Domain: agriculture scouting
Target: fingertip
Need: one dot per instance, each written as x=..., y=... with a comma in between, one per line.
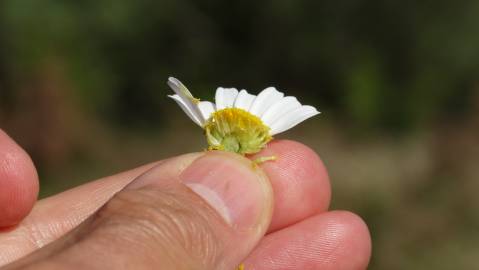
x=354, y=238
x=300, y=182
x=18, y=182
x=331, y=241
x=302, y=166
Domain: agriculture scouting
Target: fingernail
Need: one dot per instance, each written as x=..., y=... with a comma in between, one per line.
x=230, y=184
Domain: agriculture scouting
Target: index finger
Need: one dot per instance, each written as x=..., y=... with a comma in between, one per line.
x=300, y=182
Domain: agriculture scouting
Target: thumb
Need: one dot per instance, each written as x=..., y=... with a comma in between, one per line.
x=198, y=211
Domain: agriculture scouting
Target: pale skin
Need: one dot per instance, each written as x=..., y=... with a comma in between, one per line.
x=158, y=223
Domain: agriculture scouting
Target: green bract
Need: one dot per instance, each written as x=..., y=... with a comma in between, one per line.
x=236, y=130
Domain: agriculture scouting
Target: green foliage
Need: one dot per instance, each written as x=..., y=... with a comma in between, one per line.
x=376, y=63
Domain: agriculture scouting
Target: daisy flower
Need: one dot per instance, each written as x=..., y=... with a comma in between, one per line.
x=241, y=122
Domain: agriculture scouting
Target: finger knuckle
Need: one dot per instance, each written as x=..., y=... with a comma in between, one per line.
x=162, y=220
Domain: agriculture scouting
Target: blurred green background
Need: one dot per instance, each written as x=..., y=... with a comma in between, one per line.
x=82, y=88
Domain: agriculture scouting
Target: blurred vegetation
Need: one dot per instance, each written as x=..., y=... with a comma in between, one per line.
x=82, y=88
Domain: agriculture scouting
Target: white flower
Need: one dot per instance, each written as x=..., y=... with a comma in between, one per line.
x=238, y=121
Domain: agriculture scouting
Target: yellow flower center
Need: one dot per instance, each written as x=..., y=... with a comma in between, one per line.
x=236, y=130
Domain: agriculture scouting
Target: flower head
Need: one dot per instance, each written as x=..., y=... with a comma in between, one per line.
x=238, y=121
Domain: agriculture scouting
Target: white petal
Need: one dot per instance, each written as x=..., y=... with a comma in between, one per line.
x=206, y=108
x=186, y=109
x=264, y=100
x=225, y=97
x=280, y=109
x=244, y=100
x=187, y=98
x=292, y=119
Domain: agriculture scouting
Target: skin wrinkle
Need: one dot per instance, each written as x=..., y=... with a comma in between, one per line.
x=333, y=240
x=33, y=236
x=115, y=231
x=40, y=234
x=334, y=243
x=321, y=248
x=9, y=164
x=36, y=236
x=27, y=235
x=328, y=245
x=129, y=237
x=9, y=252
x=295, y=160
x=185, y=234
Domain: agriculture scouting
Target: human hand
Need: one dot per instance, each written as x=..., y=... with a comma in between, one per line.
x=158, y=217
